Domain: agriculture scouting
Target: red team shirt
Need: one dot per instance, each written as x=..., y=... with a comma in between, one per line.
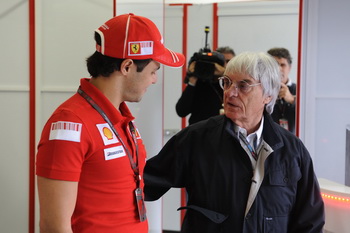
x=78, y=145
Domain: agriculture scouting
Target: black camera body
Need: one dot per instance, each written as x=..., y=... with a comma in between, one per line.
x=205, y=61
x=205, y=65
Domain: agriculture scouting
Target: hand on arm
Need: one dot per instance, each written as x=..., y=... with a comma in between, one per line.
x=192, y=81
x=57, y=200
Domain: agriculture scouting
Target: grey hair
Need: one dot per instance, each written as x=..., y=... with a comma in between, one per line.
x=263, y=68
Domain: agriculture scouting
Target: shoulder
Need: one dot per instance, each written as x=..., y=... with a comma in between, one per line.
x=208, y=124
x=75, y=106
x=208, y=127
x=278, y=137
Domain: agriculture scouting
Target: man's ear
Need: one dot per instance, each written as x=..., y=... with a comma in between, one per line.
x=267, y=99
x=125, y=66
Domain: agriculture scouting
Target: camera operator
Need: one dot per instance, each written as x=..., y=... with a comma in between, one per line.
x=284, y=110
x=202, y=97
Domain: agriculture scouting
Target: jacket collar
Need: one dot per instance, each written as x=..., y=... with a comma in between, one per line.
x=270, y=134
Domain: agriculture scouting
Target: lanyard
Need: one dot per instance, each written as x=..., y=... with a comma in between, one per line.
x=250, y=148
x=134, y=165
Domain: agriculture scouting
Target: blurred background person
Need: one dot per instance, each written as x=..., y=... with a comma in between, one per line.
x=284, y=111
x=202, y=97
x=227, y=52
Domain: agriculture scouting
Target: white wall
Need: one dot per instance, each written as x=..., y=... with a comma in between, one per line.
x=14, y=128
x=326, y=82
x=259, y=26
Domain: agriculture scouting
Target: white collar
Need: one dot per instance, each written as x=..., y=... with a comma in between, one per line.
x=249, y=137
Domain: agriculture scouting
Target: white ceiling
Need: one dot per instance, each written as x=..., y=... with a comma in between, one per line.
x=187, y=1
x=207, y=1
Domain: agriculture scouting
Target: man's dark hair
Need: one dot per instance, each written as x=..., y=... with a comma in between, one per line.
x=226, y=49
x=281, y=53
x=99, y=64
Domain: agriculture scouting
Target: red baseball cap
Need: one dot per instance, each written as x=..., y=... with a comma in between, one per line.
x=135, y=37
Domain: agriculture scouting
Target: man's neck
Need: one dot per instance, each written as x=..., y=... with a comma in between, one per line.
x=109, y=87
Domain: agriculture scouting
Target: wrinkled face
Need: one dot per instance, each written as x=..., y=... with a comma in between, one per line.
x=285, y=68
x=244, y=108
x=138, y=82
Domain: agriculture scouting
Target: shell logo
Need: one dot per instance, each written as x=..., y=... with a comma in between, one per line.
x=107, y=133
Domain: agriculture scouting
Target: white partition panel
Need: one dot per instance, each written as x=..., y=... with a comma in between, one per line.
x=14, y=124
x=325, y=111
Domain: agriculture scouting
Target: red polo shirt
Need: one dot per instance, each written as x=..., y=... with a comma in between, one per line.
x=78, y=145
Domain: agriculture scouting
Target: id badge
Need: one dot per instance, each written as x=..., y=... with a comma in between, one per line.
x=284, y=123
x=140, y=204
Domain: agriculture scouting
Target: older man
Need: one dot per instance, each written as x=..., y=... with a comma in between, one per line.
x=242, y=171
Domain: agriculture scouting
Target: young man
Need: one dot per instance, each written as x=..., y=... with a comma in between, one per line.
x=284, y=111
x=242, y=172
x=91, y=156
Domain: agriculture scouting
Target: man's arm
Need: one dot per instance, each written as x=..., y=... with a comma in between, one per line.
x=308, y=214
x=57, y=200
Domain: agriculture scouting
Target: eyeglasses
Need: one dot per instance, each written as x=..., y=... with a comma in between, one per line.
x=242, y=86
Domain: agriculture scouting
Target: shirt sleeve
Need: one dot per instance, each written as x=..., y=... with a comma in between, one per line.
x=62, y=147
x=167, y=169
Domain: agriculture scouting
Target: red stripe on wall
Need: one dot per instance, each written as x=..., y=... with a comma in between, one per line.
x=114, y=8
x=32, y=143
x=184, y=51
x=297, y=131
x=184, y=70
x=215, y=26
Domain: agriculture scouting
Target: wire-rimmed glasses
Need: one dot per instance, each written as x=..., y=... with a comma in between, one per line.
x=242, y=86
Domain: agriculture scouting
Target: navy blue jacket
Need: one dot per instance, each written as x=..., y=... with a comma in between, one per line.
x=225, y=194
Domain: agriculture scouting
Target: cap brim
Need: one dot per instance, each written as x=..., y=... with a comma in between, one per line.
x=170, y=58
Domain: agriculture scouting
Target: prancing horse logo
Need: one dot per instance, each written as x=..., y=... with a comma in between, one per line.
x=135, y=48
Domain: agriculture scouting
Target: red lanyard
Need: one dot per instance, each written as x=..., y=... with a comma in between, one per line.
x=134, y=165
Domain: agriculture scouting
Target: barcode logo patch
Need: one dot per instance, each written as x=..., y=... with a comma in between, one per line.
x=65, y=130
x=140, y=48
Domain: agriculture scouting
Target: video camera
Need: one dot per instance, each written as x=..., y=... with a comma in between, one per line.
x=205, y=60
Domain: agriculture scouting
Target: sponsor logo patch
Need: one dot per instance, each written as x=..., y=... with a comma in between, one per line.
x=107, y=134
x=139, y=48
x=114, y=152
x=137, y=133
x=65, y=130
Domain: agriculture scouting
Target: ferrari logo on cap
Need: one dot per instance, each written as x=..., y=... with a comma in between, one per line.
x=139, y=48
x=135, y=48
